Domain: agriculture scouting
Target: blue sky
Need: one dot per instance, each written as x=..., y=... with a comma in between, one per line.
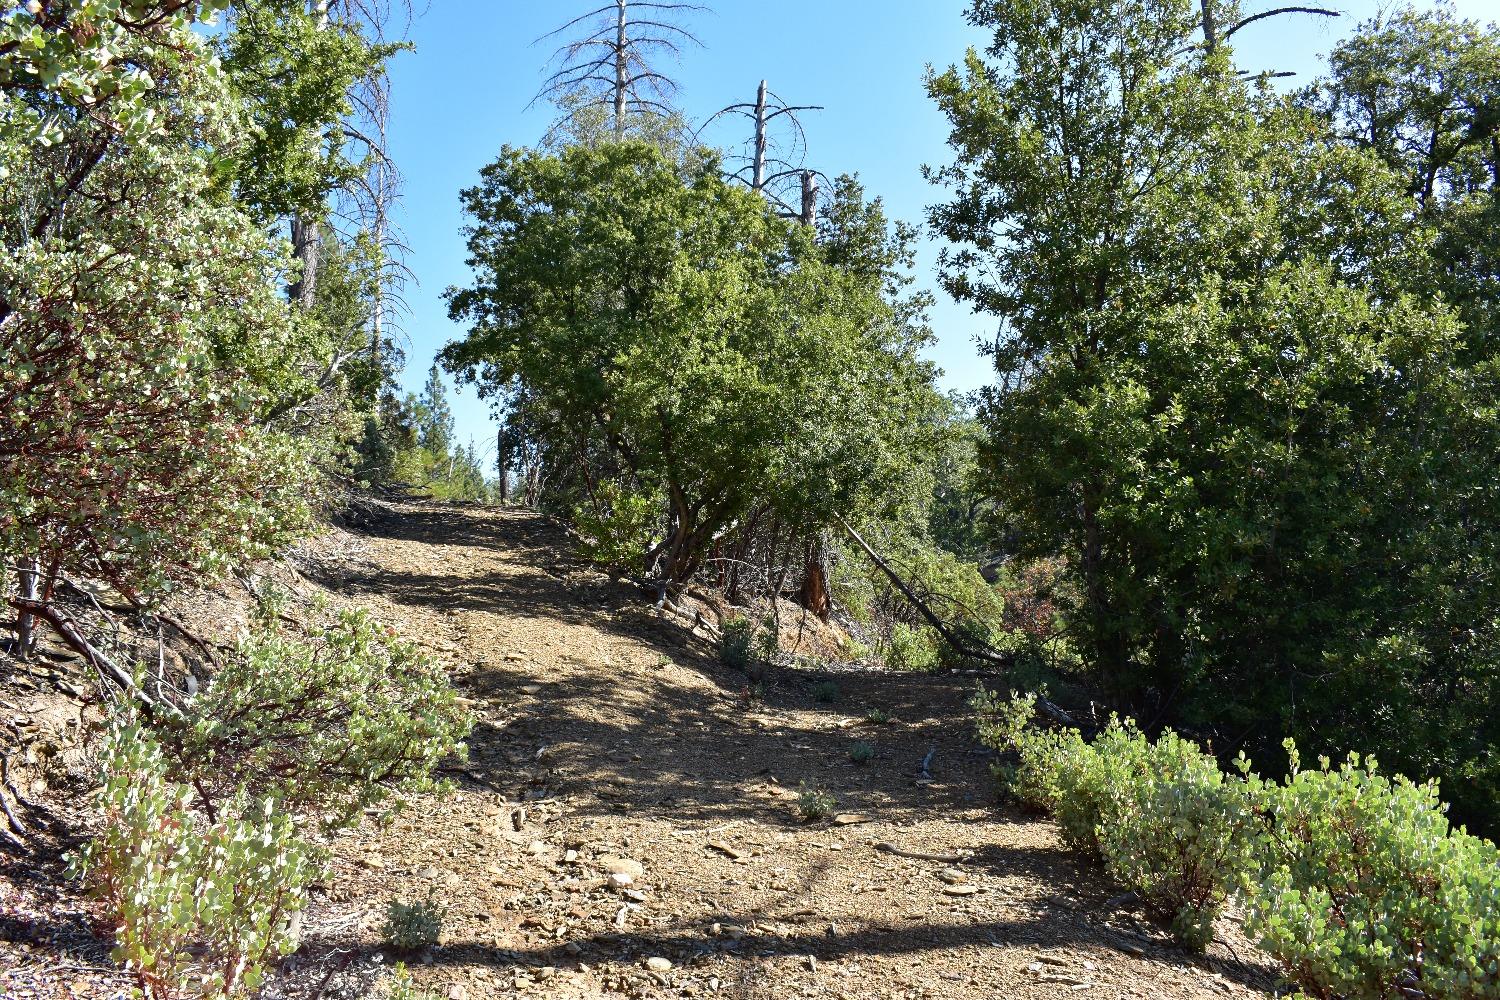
x=464, y=93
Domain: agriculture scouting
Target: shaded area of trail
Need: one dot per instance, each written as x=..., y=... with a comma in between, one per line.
x=610, y=740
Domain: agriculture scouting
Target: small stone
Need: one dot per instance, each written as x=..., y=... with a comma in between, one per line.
x=546, y=972
x=570, y=855
x=960, y=890
x=538, y=847
x=634, y=895
x=619, y=880
x=458, y=991
x=849, y=819
x=428, y=873
x=952, y=876
x=658, y=964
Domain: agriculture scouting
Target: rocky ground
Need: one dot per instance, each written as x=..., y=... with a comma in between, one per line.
x=629, y=821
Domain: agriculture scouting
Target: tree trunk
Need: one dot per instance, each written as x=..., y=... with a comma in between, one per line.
x=307, y=244
x=502, y=463
x=809, y=198
x=1210, y=27
x=622, y=68
x=307, y=233
x=814, y=595
x=759, y=181
x=27, y=577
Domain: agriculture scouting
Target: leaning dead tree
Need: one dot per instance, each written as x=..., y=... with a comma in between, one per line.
x=774, y=159
x=613, y=60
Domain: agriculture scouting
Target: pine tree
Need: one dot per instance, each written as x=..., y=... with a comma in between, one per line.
x=436, y=429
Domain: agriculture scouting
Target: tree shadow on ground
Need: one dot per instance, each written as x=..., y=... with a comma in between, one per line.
x=692, y=748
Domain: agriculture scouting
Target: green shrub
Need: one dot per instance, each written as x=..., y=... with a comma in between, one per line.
x=402, y=987
x=618, y=526
x=862, y=752
x=1164, y=819
x=413, y=926
x=1365, y=892
x=199, y=907
x=878, y=716
x=814, y=803
x=737, y=644
x=825, y=692
x=1181, y=835
x=330, y=725
x=910, y=648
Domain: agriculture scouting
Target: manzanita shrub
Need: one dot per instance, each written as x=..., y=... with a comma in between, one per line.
x=1365, y=892
x=199, y=907
x=1354, y=881
x=331, y=724
x=1180, y=834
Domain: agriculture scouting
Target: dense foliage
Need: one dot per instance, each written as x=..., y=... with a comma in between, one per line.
x=200, y=908
x=1248, y=378
x=1354, y=882
x=667, y=333
x=331, y=725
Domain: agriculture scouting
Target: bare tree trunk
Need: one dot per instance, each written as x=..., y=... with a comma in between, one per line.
x=1210, y=28
x=27, y=577
x=815, y=595
x=382, y=209
x=759, y=181
x=502, y=462
x=622, y=69
x=809, y=198
x=307, y=233
x=307, y=244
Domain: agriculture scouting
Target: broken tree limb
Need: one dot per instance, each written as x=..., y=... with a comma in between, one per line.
x=885, y=847
x=1048, y=708
x=68, y=632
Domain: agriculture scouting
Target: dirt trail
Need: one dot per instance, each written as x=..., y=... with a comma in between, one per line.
x=610, y=740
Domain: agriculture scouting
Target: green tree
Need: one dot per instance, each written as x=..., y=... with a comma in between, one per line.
x=1422, y=91
x=678, y=338
x=436, y=430
x=1229, y=394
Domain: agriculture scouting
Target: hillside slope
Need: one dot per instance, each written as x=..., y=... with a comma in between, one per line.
x=612, y=742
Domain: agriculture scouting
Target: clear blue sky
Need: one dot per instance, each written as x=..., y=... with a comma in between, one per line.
x=464, y=93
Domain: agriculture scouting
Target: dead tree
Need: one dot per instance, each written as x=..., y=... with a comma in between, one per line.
x=1213, y=35
x=613, y=62
x=773, y=164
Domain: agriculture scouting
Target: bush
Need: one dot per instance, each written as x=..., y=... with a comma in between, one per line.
x=814, y=803
x=199, y=907
x=413, y=926
x=1167, y=823
x=825, y=692
x=1365, y=892
x=910, y=648
x=878, y=717
x=1181, y=836
x=862, y=752
x=402, y=988
x=737, y=644
x=331, y=725
x=618, y=526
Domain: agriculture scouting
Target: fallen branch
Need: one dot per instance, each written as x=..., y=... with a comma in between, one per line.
x=885, y=847
x=68, y=632
x=1049, y=708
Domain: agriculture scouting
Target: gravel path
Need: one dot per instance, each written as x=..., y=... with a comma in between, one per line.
x=628, y=825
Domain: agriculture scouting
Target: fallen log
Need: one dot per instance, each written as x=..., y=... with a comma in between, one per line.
x=1048, y=707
